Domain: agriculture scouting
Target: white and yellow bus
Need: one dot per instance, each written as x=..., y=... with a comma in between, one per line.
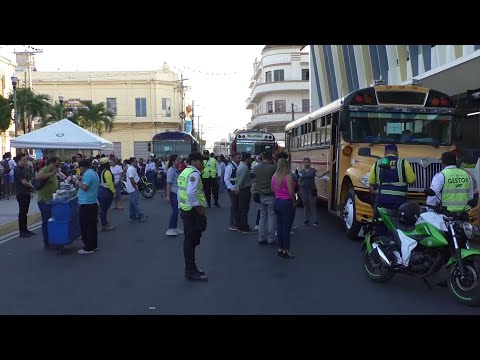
x=344, y=139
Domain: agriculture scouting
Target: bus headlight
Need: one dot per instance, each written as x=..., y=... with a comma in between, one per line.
x=468, y=229
x=364, y=179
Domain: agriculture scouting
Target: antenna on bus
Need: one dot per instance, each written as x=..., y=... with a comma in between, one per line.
x=416, y=82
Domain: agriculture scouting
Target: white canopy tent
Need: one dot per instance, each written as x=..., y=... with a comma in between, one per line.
x=63, y=134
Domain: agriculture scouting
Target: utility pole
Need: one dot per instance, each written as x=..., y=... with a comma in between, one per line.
x=198, y=124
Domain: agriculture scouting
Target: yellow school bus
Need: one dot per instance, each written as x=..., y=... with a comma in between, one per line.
x=346, y=137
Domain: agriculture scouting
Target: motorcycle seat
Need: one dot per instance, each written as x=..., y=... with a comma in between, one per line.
x=402, y=225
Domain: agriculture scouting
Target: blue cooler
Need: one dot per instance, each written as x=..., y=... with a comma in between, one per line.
x=62, y=211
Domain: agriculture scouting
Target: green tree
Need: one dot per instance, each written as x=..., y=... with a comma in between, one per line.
x=5, y=114
x=30, y=106
x=54, y=114
x=95, y=117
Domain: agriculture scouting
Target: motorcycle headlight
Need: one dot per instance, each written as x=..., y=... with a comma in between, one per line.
x=468, y=229
x=364, y=179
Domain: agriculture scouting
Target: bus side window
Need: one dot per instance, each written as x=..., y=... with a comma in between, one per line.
x=314, y=132
x=328, y=130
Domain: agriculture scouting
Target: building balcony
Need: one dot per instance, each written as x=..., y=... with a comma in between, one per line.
x=276, y=86
x=269, y=119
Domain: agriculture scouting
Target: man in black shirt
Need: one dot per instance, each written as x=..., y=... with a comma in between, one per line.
x=23, y=189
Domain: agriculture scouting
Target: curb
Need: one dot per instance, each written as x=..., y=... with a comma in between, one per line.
x=12, y=226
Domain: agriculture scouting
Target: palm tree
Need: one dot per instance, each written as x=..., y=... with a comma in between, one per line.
x=95, y=117
x=29, y=106
x=54, y=114
x=5, y=114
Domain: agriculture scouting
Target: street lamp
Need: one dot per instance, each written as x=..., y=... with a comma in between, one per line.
x=15, y=116
x=60, y=100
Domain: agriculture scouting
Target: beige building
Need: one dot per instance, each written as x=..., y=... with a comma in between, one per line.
x=144, y=102
x=7, y=69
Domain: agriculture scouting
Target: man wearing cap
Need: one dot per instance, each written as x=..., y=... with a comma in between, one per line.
x=452, y=185
x=395, y=180
x=192, y=203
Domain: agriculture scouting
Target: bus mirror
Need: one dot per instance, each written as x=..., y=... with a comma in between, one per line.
x=364, y=152
x=458, y=133
x=344, y=120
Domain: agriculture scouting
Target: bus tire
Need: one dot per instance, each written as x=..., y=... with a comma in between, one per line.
x=352, y=226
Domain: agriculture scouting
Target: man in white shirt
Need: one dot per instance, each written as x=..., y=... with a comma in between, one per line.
x=230, y=180
x=133, y=192
x=452, y=196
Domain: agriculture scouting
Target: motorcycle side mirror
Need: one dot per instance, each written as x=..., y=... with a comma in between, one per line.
x=472, y=203
x=429, y=192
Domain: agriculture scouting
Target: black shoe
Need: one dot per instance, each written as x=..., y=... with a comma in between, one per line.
x=209, y=205
x=31, y=232
x=306, y=223
x=25, y=235
x=195, y=276
x=281, y=253
x=217, y=204
x=201, y=272
x=288, y=255
x=272, y=243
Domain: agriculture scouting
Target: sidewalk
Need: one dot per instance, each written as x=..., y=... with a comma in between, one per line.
x=9, y=214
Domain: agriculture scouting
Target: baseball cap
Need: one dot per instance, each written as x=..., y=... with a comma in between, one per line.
x=104, y=160
x=391, y=147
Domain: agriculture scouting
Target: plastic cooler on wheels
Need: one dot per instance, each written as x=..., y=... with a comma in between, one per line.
x=64, y=225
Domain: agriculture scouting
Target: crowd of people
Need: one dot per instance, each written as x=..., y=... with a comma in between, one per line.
x=190, y=185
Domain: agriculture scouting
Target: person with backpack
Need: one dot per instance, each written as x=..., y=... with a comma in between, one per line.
x=23, y=190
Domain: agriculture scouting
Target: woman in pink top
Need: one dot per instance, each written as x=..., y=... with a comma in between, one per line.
x=284, y=187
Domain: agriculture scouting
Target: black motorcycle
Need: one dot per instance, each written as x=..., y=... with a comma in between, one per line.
x=146, y=188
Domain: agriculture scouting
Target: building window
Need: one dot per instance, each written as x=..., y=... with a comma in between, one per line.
x=280, y=106
x=141, y=107
x=112, y=105
x=306, y=105
x=268, y=76
x=305, y=74
x=269, y=107
x=166, y=109
x=278, y=75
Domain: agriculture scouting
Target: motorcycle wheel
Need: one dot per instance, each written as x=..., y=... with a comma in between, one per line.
x=466, y=290
x=148, y=192
x=375, y=269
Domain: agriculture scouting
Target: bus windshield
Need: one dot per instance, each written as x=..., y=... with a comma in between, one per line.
x=254, y=148
x=401, y=128
x=170, y=147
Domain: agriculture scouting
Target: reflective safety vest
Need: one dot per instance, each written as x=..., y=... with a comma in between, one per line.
x=455, y=189
x=394, y=182
x=103, y=182
x=233, y=177
x=209, y=168
x=182, y=190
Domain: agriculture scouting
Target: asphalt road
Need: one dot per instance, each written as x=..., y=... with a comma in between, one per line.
x=139, y=270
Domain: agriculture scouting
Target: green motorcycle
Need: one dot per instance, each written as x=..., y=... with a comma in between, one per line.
x=419, y=243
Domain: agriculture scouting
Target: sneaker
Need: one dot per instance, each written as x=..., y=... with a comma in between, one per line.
x=179, y=231
x=171, y=232
x=84, y=252
x=132, y=219
x=143, y=218
x=233, y=228
x=294, y=226
x=316, y=223
x=247, y=231
x=31, y=232
x=256, y=227
x=306, y=223
x=108, y=228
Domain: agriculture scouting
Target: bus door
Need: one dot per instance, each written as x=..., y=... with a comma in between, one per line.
x=333, y=125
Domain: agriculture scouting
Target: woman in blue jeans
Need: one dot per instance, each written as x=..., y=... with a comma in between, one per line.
x=105, y=192
x=171, y=194
x=285, y=203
